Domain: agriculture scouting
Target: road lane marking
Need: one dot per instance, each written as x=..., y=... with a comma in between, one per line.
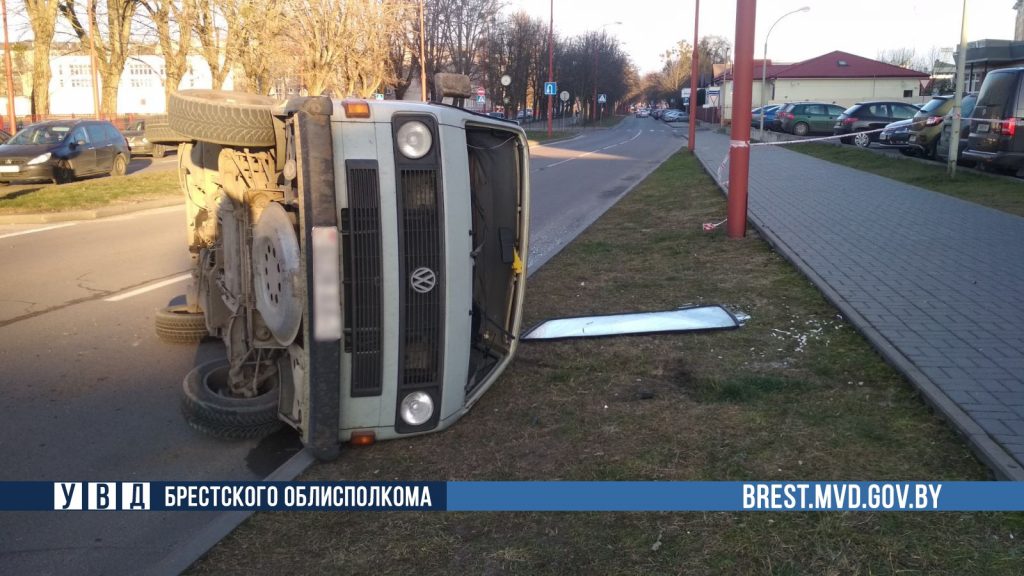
x=34, y=230
x=149, y=288
x=585, y=154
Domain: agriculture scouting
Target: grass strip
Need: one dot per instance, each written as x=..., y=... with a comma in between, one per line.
x=90, y=193
x=795, y=394
x=1001, y=193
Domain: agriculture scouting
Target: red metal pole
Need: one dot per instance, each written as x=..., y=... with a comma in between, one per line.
x=693, y=82
x=551, y=60
x=739, y=143
x=11, y=116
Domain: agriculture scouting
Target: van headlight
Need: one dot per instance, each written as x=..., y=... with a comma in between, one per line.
x=417, y=408
x=414, y=140
x=39, y=159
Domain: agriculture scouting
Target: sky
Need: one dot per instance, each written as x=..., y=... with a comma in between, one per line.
x=861, y=27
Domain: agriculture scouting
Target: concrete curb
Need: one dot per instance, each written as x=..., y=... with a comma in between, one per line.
x=91, y=214
x=988, y=451
x=187, y=553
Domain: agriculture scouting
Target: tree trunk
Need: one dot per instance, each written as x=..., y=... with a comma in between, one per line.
x=41, y=78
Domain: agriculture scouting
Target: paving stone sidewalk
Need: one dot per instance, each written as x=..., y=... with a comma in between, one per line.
x=935, y=283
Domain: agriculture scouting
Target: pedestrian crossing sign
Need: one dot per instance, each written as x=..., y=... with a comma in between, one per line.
x=602, y=98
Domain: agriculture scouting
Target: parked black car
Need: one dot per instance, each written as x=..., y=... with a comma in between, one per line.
x=139, y=144
x=863, y=117
x=997, y=136
x=966, y=110
x=897, y=134
x=62, y=150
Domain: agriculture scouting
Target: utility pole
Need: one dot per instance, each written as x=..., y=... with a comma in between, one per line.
x=694, y=65
x=739, y=139
x=423, y=61
x=961, y=69
x=551, y=62
x=11, y=117
x=92, y=59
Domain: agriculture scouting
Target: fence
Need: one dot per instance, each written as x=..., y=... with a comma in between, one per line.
x=122, y=122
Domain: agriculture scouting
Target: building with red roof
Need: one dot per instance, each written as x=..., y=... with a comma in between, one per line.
x=838, y=77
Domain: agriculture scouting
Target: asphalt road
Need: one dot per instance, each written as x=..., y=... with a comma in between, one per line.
x=88, y=392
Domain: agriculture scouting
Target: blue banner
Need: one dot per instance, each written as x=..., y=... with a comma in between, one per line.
x=514, y=496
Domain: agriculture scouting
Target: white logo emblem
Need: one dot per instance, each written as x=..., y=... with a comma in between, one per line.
x=423, y=280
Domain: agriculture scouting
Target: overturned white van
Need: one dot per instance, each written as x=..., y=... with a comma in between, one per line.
x=362, y=261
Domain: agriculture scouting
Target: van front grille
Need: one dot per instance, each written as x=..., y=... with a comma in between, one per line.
x=361, y=237
x=422, y=274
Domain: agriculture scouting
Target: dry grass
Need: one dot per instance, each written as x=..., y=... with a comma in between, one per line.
x=89, y=193
x=796, y=394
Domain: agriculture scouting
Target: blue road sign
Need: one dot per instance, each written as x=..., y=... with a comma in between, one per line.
x=550, y=88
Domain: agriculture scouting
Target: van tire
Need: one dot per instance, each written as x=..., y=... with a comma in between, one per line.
x=207, y=409
x=158, y=131
x=180, y=325
x=223, y=117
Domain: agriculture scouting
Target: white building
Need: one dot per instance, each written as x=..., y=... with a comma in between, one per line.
x=141, y=90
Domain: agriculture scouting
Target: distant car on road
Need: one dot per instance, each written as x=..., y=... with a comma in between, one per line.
x=136, y=136
x=863, y=117
x=525, y=115
x=62, y=150
x=643, y=113
x=672, y=116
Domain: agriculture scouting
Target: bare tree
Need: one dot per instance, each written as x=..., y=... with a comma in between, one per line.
x=42, y=16
x=216, y=25
x=320, y=30
x=111, y=41
x=262, y=22
x=172, y=20
x=902, y=57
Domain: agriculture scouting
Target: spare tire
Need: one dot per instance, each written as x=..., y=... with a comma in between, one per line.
x=223, y=117
x=210, y=409
x=159, y=131
x=180, y=325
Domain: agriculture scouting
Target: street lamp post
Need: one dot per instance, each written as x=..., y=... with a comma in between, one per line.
x=593, y=115
x=764, y=59
x=551, y=62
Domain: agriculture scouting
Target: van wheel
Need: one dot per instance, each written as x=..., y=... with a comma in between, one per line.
x=862, y=140
x=801, y=129
x=119, y=167
x=223, y=117
x=180, y=325
x=209, y=408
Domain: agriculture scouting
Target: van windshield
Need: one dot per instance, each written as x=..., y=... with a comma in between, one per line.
x=997, y=91
x=40, y=135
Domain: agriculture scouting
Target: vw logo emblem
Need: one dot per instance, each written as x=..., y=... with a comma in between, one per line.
x=423, y=280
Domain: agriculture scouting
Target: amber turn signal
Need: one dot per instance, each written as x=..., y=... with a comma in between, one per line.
x=356, y=109
x=362, y=438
